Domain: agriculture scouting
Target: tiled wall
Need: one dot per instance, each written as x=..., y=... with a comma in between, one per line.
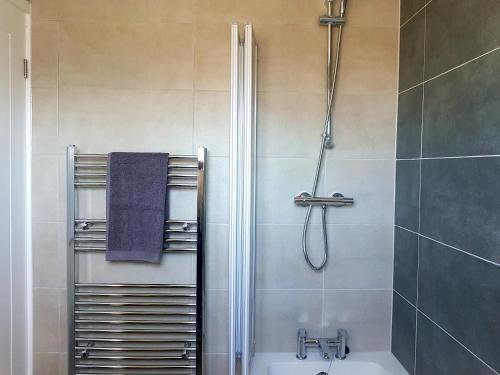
x=154, y=75
x=446, y=313
x=126, y=75
x=358, y=277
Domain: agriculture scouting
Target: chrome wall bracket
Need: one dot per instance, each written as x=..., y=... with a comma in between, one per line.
x=305, y=199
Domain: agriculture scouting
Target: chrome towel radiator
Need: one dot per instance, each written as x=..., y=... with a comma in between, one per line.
x=134, y=328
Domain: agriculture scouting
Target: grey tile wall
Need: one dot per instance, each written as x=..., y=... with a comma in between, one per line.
x=405, y=263
x=403, y=331
x=409, y=8
x=447, y=261
x=453, y=358
x=409, y=123
x=411, y=53
x=407, y=194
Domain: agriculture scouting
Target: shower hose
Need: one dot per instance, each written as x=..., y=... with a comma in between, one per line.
x=331, y=95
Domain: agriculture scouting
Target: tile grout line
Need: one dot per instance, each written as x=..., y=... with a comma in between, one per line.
x=445, y=331
x=450, y=246
x=403, y=297
x=463, y=64
x=415, y=14
x=450, y=69
x=410, y=88
x=457, y=341
x=451, y=157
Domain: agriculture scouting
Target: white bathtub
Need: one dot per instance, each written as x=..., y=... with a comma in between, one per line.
x=376, y=363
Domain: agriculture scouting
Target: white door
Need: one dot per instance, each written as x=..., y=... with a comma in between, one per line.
x=13, y=192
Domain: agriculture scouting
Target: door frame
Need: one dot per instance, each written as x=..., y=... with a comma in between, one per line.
x=29, y=249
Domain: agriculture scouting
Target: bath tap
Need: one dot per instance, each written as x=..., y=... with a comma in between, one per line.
x=325, y=345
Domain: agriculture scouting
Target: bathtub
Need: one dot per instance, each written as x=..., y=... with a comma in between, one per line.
x=375, y=363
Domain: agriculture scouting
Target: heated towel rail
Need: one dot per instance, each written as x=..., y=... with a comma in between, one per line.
x=134, y=328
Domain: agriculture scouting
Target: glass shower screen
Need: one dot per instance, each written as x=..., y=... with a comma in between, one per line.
x=242, y=200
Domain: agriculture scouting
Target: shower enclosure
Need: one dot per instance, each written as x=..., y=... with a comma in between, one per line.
x=345, y=297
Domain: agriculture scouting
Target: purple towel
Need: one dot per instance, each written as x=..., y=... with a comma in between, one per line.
x=136, y=206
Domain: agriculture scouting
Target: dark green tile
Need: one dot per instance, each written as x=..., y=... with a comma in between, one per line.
x=460, y=204
x=403, y=332
x=457, y=31
x=407, y=194
x=462, y=110
x=409, y=8
x=411, y=52
x=439, y=354
x=409, y=123
x=405, y=263
x=461, y=293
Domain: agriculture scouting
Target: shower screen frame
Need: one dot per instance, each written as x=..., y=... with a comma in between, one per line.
x=242, y=228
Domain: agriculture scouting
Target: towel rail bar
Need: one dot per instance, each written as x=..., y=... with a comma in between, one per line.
x=137, y=349
x=117, y=328
x=165, y=250
x=121, y=295
x=95, y=285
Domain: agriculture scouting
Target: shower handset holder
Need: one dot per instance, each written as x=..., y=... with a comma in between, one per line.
x=336, y=200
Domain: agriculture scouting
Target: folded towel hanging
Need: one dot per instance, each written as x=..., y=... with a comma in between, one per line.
x=136, y=207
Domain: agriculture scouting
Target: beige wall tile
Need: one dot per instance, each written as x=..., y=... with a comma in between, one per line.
x=47, y=327
x=101, y=120
x=369, y=61
x=216, y=11
x=217, y=327
x=294, y=60
x=369, y=13
x=279, y=180
x=45, y=185
x=211, y=121
x=280, y=263
x=364, y=126
x=45, y=121
x=366, y=315
x=280, y=12
x=177, y=11
x=290, y=124
x=281, y=312
x=370, y=183
x=45, y=48
x=212, y=61
x=49, y=255
x=45, y=9
x=360, y=257
x=216, y=363
x=217, y=256
x=127, y=55
x=217, y=211
x=174, y=269
x=48, y=364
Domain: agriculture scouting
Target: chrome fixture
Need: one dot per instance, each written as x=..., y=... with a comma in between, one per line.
x=124, y=327
x=336, y=200
x=338, y=345
x=309, y=199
